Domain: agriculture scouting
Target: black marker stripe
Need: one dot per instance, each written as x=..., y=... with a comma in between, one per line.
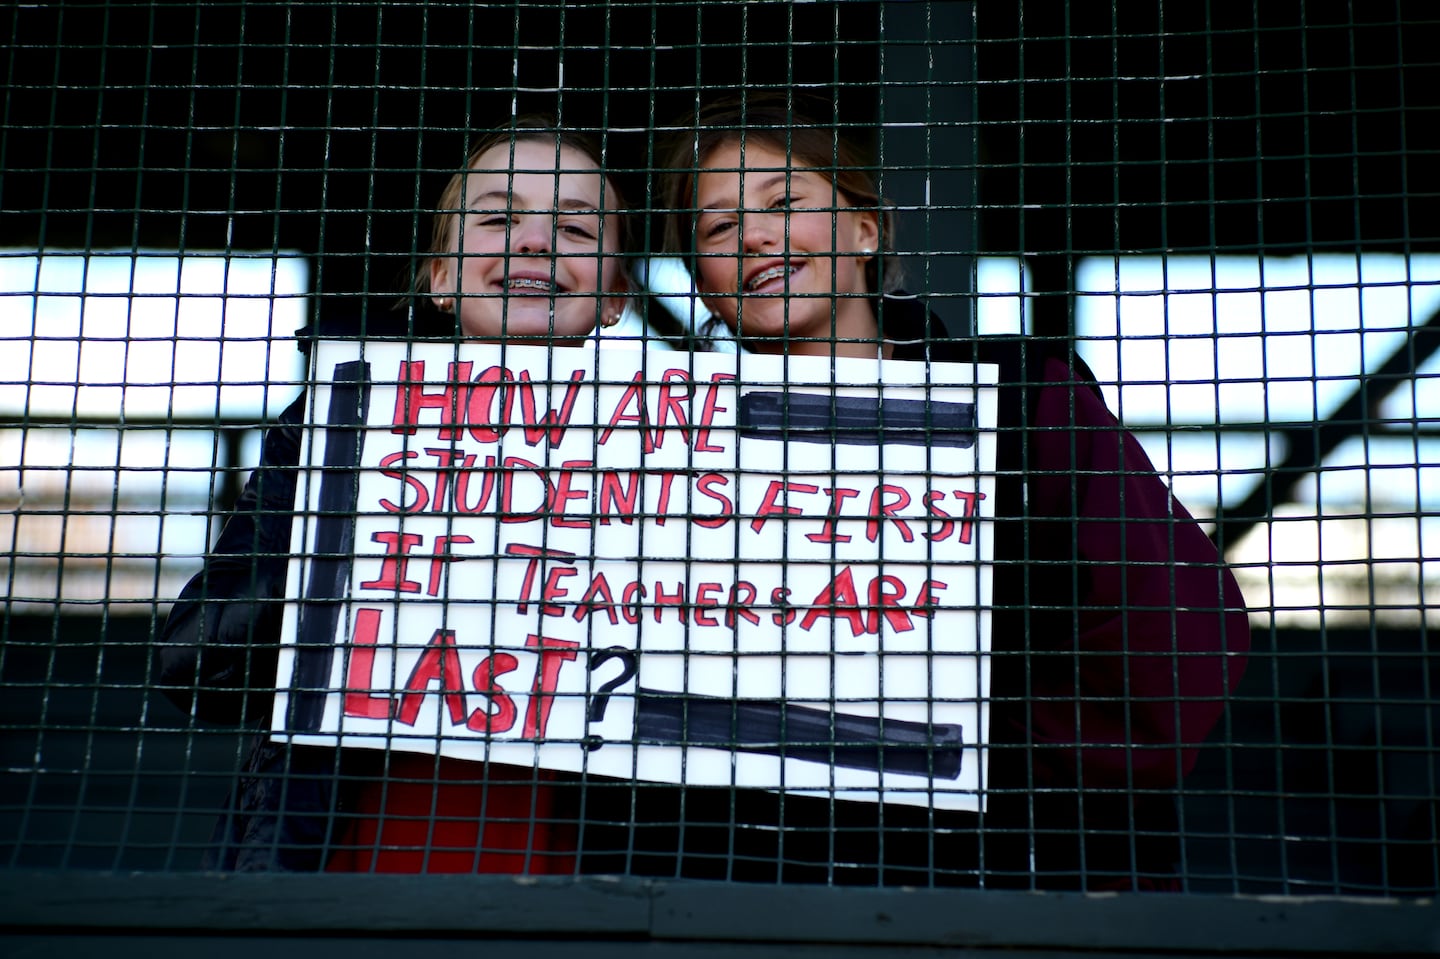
x=823, y=418
x=800, y=732
x=334, y=544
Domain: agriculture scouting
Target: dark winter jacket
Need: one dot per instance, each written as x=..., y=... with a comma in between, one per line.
x=1117, y=635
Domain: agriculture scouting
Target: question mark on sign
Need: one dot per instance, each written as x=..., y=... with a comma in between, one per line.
x=600, y=699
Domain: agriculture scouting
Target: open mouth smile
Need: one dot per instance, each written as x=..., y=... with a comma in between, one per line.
x=529, y=284
x=769, y=274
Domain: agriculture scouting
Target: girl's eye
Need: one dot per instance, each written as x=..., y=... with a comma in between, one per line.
x=717, y=228
x=493, y=219
x=578, y=229
x=784, y=201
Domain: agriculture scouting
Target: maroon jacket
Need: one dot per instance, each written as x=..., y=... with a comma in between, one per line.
x=1159, y=633
x=1119, y=632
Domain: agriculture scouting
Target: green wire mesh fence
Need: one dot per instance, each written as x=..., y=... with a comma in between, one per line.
x=834, y=641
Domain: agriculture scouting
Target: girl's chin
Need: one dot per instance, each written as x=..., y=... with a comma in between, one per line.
x=531, y=323
x=778, y=329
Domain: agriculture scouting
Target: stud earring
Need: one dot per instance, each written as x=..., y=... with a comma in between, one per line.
x=609, y=319
x=447, y=305
x=867, y=252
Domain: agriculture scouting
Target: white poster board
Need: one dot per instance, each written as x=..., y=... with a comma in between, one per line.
x=709, y=569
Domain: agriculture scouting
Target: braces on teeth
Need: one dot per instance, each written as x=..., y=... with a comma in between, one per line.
x=765, y=276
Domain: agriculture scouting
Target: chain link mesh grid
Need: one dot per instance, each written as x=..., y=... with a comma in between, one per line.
x=1219, y=213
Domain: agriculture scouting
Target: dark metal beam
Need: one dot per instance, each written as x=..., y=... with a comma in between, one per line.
x=731, y=918
x=1308, y=445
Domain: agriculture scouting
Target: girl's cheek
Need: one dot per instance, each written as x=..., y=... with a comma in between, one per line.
x=705, y=278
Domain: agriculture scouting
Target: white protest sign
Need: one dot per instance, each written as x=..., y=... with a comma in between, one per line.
x=708, y=569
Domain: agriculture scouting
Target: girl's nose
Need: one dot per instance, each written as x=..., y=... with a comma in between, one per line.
x=761, y=231
x=532, y=234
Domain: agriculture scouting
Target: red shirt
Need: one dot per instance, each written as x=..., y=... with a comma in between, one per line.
x=454, y=816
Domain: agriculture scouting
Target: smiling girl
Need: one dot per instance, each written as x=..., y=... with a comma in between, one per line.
x=528, y=247
x=783, y=231
x=1116, y=631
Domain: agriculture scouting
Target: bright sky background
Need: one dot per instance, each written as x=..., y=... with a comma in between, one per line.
x=153, y=335
x=1241, y=340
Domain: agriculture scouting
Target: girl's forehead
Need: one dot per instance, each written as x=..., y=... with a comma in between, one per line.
x=751, y=155
x=726, y=172
x=536, y=167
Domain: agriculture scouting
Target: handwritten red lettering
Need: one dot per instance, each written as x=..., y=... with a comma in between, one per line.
x=707, y=413
x=770, y=504
x=411, y=397
x=462, y=487
x=554, y=653
x=632, y=602
x=928, y=601
x=561, y=494
x=360, y=700
x=948, y=526
x=509, y=513
x=838, y=495
x=597, y=598
x=486, y=681
x=969, y=505
x=634, y=395
x=397, y=557
x=422, y=495
x=489, y=405
x=534, y=554
x=447, y=462
x=838, y=600
x=670, y=406
x=552, y=424
x=441, y=557
x=662, y=508
x=705, y=600
x=885, y=595
x=738, y=605
x=784, y=613
x=439, y=663
x=676, y=599
x=553, y=591
x=880, y=508
x=615, y=497
x=708, y=485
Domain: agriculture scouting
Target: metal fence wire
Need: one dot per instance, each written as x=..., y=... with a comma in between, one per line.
x=714, y=441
